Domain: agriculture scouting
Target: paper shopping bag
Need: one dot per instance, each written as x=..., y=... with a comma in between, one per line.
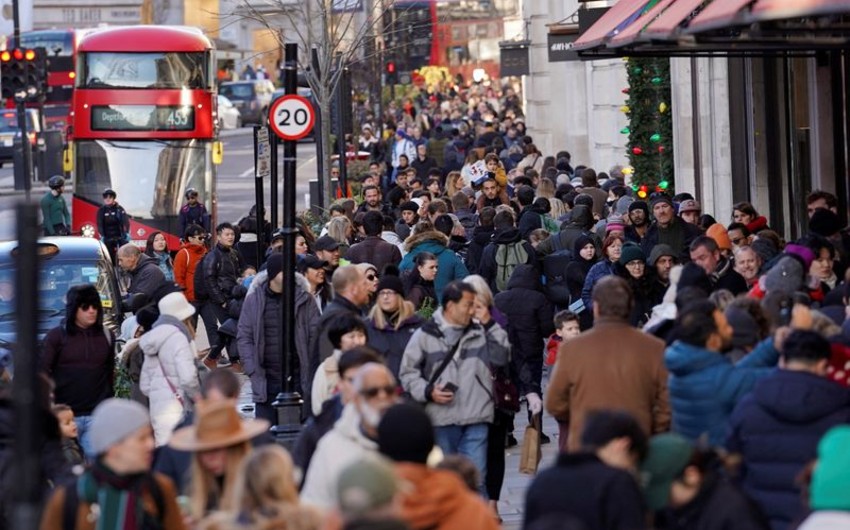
x=531, y=454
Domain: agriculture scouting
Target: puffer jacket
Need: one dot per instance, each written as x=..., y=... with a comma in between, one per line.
x=599, y=270
x=480, y=348
x=530, y=321
x=776, y=429
x=705, y=386
x=342, y=446
x=450, y=266
x=391, y=342
x=169, y=364
x=185, y=264
x=147, y=277
x=221, y=273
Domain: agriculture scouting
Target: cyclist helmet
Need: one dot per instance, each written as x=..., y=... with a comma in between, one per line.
x=191, y=191
x=109, y=192
x=56, y=181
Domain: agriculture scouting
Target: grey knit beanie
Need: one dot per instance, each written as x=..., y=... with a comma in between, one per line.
x=113, y=420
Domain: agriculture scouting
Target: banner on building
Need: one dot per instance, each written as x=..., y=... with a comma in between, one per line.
x=559, y=47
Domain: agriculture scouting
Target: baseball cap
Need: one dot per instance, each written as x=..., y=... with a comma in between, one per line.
x=668, y=456
x=689, y=205
x=309, y=261
x=326, y=243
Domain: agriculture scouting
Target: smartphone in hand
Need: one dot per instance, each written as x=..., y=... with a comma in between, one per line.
x=450, y=387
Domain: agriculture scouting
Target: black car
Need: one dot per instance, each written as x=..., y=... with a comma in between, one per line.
x=66, y=261
x=9, y=131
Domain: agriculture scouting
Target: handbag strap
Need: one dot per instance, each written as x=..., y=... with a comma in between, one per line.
x=170, y=384
x=443, y=365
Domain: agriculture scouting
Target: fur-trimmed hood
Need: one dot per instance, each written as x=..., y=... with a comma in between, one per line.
x=431, y=235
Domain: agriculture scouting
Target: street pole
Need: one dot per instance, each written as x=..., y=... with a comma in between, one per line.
x=339, y=103
x=317, y=134
x=26, y=463
x=288, y=402
x=22, y=111
x=259, y=206
x=273, y=197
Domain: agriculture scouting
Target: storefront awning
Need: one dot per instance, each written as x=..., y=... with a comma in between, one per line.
x=717, y=27
x=620, y=16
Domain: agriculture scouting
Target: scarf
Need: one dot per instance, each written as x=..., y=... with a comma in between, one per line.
x=116, y=500
x=168, y=320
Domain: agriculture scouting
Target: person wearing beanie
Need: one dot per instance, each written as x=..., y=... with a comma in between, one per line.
x=392, y=321
x=436, y=499
x=367, y=497
x=668, y=228
x=408, y=217
x=689, y=211
x=78, y=355
x=119, y=491
x=788, y=411
x=786, y=276
x=615, y=224
x=705, y=252
x=169, y=377
x=632, y=267
x=830, y=481
x=638, y=221
x=718, y=233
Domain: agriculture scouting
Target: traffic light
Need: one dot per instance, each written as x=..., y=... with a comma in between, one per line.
x=23, y=74
x=392, y=73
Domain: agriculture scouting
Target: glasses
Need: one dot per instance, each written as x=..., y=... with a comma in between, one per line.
x=373, y=392
x=88, y=307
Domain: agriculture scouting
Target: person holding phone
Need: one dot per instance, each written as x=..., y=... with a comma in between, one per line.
x=446, y=365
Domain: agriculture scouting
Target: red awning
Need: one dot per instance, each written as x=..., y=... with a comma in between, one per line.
x=609, y=24
x=669, y=21
x=718, y=14
x=781, y=9
x=628, y=35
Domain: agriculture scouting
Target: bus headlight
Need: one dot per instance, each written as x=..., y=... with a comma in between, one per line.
x=87, y=230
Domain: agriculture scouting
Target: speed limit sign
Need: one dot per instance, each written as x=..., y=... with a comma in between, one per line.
x=292, y=117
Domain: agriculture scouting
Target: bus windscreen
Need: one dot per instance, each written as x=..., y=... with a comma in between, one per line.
x=113, y=70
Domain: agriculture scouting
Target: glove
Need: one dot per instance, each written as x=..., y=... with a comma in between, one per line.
x=535, y=405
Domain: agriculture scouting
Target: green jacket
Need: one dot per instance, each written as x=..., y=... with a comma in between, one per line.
x=55, y=211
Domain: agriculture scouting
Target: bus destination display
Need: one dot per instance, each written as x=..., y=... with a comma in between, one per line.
x=142, y=118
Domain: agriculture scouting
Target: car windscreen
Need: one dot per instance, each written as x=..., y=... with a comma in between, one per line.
x=238, y=91
x=9, y=122
x=55, y=277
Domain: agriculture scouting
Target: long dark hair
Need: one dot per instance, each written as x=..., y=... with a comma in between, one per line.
x=149, y=245
x=413, y=277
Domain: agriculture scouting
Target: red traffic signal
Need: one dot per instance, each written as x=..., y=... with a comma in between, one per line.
x=390, y=67
x=18, y=54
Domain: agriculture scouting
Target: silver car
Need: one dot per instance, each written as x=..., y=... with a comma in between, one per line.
x=252, y=98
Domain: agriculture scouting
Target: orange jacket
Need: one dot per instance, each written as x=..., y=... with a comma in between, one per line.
x=185, y=262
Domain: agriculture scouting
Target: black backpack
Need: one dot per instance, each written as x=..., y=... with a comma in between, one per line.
x=200, y=284
x=555, y=274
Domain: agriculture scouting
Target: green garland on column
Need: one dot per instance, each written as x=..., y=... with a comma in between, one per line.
x=650, y=129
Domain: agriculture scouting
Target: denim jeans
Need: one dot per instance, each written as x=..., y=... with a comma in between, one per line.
x=83, y=425
x=469, y=441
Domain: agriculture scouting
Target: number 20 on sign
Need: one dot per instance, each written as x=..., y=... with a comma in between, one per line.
x=292, y=117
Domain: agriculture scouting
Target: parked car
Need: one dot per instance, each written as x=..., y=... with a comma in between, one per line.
x=228, y=115
x=306, y=93
x=251, y=98
x=65, y=262
x=9, y=131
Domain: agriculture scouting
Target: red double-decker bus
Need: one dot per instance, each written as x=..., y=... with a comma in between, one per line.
x=144, y=125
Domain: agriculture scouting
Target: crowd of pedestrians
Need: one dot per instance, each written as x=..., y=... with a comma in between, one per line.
x=697, y=369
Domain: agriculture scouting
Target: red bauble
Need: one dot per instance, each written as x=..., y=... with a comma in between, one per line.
x=625, y=90
x=660, y=148
x=637, y=150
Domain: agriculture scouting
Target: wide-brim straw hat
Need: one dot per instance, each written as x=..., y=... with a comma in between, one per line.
x=217, y=426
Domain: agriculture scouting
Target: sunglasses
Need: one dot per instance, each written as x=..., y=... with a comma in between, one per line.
x=373, y=392
x=86, y=307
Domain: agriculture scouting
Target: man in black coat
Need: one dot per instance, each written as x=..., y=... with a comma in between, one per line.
x=721, y=273
x=373, y=249
x=144, y=272
x=668, y=228
x=505, y=235
x=600, y=479
x=481, y=236
x=530, y=322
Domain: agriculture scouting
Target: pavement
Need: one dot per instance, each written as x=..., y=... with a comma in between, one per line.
x=512, y=502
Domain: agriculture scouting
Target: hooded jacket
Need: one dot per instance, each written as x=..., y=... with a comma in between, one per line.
x=581, y=222
x=450, y=266
x=146, y=277
x=168, y=372
x=80, y=361
x=391, y=342
x=185, y=265
x=342, y=446
x=776, y=429
x=705, y=386
x=481, y=236
x=530, y=218
x=488, y=268
x=480, y=347
x=576, y=274
x=530, y=321
x=436, y=499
